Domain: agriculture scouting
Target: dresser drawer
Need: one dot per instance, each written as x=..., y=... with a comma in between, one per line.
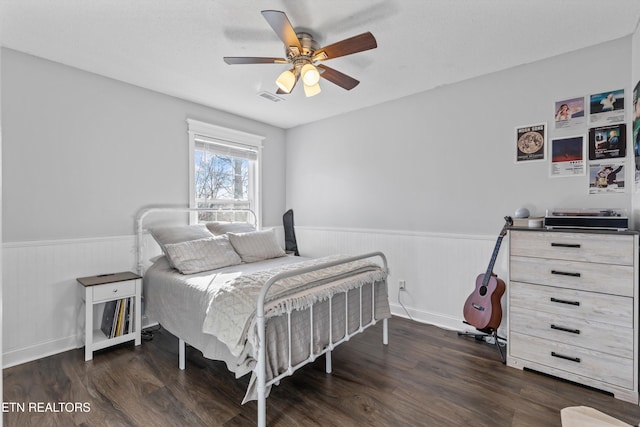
x=607, y=278
x=576, y=360
x=592, y=247
x=111, y=291
x=586, y=306
x=615, y=340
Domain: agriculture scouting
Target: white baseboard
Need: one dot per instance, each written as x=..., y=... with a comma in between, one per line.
x=445, y=322
x=38, y=351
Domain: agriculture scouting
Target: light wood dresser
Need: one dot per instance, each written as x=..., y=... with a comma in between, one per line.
x=573, y=306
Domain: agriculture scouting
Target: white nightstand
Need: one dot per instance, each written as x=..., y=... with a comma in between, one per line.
x=123, y=289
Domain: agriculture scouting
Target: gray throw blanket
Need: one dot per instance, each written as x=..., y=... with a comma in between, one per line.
x=231, y=312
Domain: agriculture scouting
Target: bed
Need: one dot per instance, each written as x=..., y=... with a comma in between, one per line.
x=230, y=291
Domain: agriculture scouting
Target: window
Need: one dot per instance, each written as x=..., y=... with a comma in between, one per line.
x=224, y=170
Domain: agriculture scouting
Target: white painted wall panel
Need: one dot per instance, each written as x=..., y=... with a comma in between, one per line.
x=46, y=309
x=43, y=308
x=439, y=269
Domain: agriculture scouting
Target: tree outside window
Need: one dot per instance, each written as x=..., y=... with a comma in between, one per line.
x=224, y=172
x=222, y=181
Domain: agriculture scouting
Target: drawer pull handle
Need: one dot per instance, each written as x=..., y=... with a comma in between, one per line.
x=562, y=356
x=565, y=273
x=115, y=290
x=566, y=245
x=563, y=329
x=562, y=301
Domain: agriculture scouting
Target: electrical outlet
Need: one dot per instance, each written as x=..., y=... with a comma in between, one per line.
x=402, y=285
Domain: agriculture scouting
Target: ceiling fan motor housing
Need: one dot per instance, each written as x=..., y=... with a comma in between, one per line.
x=309, y=46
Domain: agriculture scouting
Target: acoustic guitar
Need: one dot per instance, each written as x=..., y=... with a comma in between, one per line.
x=482, y=308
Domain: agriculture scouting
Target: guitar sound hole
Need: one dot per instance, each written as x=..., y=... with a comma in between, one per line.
x=482, y=291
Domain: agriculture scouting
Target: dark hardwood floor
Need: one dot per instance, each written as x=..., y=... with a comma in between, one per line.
x=427, y=376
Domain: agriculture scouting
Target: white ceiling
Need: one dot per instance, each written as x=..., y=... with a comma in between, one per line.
x=176, y=46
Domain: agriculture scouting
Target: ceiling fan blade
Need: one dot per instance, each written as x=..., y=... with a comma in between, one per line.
x=253, y=60
x=338, y=78
x=359, y=43
x=280, y=23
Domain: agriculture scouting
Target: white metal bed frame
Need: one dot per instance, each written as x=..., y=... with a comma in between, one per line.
x=260, y=368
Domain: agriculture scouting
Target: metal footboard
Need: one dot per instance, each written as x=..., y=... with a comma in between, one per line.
x=260, y=370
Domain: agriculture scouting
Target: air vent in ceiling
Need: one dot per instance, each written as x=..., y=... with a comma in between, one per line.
x=270, y=96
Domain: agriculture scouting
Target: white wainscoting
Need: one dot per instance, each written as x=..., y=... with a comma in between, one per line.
x=439, y=269
x=43, y=309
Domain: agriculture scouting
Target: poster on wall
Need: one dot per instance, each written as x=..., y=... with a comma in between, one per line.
x=606, y=177
x=636, y=134
x=606, y=107
x=531, y=142
x=567, y=156
x=569, y=113
x=608, y=142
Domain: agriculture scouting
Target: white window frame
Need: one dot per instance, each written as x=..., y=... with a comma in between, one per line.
x=235, y=139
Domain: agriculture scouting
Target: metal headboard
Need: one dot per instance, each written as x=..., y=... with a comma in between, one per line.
x=143, y=213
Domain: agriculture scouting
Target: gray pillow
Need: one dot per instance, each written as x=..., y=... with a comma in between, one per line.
x=178, y=234
x=256, y=245
x=194, y=256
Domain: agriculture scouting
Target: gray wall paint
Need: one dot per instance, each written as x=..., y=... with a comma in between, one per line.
x=1, y=255
x=83, y=153
x=443, y=160
x=635, y=79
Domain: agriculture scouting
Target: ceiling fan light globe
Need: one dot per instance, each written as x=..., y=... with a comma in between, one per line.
x=286, y=81
x=310, y=75
x=311, y=90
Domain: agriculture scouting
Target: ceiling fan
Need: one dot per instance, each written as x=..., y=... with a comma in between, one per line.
x=303, y=55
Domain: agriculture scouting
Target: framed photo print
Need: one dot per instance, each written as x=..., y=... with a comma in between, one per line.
x=606, y=177
x=606, y=107
x=531, y=142
x=608, y=142
x=568, y=156
x=569, y=113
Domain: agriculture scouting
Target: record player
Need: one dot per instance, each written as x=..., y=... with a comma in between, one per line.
x=597, y=219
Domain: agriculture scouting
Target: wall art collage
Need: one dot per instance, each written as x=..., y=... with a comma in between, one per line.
x=589, y=139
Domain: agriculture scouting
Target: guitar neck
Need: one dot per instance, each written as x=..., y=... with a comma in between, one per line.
x=494, y=256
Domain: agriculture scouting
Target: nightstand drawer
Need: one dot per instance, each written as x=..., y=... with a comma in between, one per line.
x=587, y=363
x=598, y=248
x=111, y=291
x=588, y=306
x=605, y=278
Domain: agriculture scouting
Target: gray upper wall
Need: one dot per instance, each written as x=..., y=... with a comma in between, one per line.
x=444, y=160
x=83, y=153
x=635, y=79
